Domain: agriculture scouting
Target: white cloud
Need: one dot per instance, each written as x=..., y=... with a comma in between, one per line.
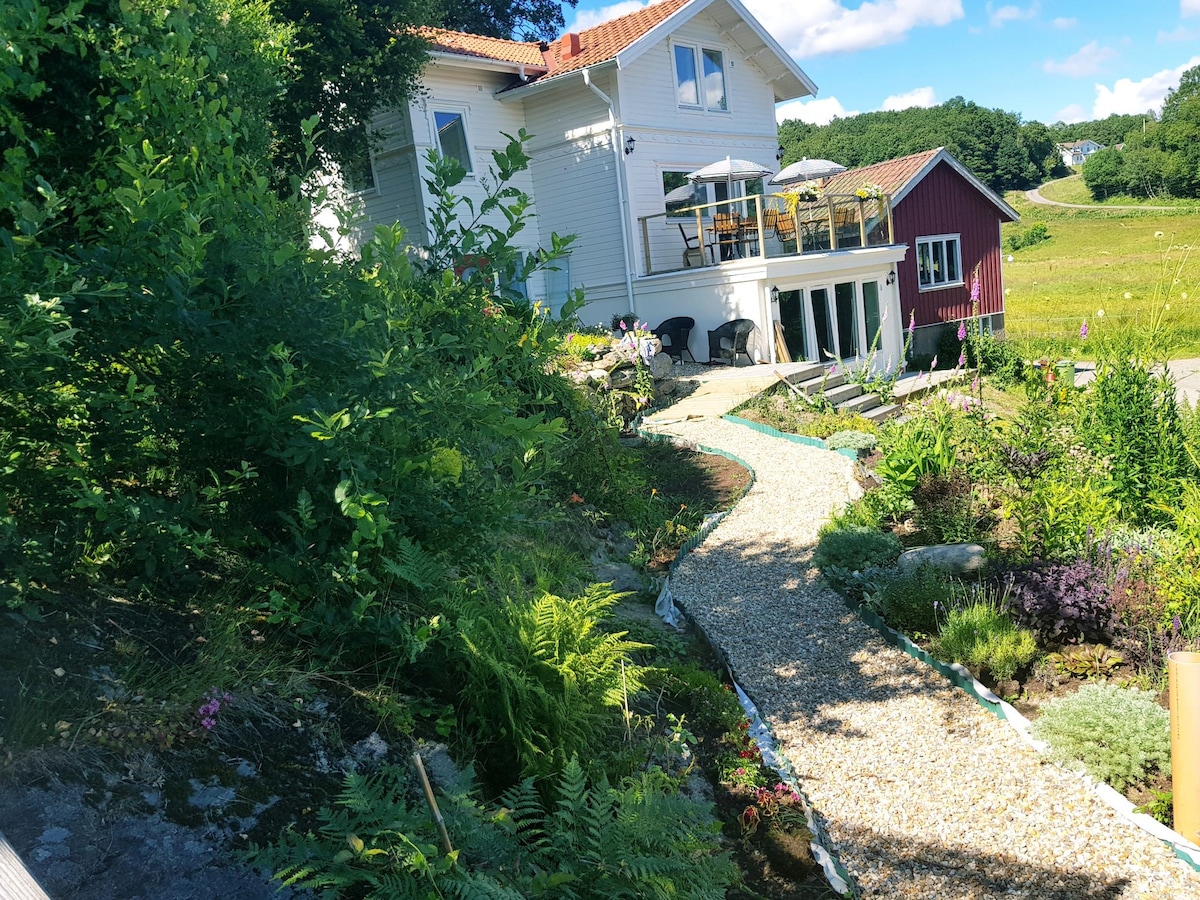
x=1128, y=96
x=1182, y=33
x=922, y=97
x=1087, y=60
x=1062, y=23
x=814, y=112
x=826, y=26
x=1189, y=8
x=590, y=18
x=1073, y=113
x=998, y=18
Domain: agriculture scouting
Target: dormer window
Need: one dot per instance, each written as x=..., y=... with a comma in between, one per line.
x=700, y=78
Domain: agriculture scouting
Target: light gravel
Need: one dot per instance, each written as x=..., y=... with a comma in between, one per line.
x=923, y=793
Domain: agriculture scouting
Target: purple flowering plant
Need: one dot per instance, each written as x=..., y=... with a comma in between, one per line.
x=214, y=700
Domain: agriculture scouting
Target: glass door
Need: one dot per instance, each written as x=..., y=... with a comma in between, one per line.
x=823, y=324
x=792, y=318
x=845, y=298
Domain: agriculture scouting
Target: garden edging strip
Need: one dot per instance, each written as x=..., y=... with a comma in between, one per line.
x=838, y=878
x=962, y=678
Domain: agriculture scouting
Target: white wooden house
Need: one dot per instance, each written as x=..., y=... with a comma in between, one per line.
x=1076, y=153
x=619, y=114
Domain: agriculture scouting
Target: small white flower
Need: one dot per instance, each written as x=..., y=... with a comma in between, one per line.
x=1158, y=234
x=1007, y=291
x=1183, y=296
x=1010, y=257
x=1128, y=296
x=1166, y=306
x=1099, y=314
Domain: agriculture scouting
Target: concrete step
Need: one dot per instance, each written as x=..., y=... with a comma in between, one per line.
x=843, y=393
x=882, y=413
x=859, y=405
x=816, y=370
x=815, y=385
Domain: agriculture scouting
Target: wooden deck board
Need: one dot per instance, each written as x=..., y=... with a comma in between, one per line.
x=16, y=882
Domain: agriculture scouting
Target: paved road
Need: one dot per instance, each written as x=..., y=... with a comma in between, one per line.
x=1186, y=373
x=1034, y=196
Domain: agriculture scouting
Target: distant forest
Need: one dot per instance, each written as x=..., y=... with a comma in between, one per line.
x=1008, y=154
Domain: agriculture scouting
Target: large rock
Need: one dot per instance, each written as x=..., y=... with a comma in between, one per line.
x=660, y=365
x=957, y=559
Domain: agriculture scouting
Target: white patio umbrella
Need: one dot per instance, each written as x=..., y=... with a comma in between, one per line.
x=730, y=170
x=683, y=194
x=807, y=170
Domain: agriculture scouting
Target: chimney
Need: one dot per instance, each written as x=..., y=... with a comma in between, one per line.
x=569, y=45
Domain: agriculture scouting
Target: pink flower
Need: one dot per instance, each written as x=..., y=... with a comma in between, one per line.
x=962, y=359
x=933, y=364
x=962, y=330
x=975, y=290
x=1083, y=330
x=624, y=327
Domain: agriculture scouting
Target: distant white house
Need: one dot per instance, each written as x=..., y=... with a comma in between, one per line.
x=1077, y=152
x=619, y=115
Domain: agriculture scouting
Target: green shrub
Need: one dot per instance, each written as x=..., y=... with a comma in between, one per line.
x=944, y=507
x=998, y=359
x=841, y=553
x=909, y=600
x=712, y=706
x=1035, y=234
x=1119, y=736
x=980, y=635
x=851, y=440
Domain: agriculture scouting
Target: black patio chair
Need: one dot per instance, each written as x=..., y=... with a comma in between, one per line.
x=676, y=331
x=729, y=341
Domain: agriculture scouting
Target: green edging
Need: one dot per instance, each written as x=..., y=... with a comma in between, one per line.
x=794, y=438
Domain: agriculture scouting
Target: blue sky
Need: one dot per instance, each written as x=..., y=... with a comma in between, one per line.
x=1045, y=60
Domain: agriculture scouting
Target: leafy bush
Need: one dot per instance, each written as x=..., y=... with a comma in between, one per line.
x=713, y=706
x=1064, y=603
x=998, y=359
x=1034, y=234
x=981, y=635
x=1119, y=736
x=909, y=600
x=841, y=553
x=851, y=440
x=944, y=507
x=1132, y=417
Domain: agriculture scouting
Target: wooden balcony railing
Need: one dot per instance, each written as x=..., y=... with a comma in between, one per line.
x=763, y=226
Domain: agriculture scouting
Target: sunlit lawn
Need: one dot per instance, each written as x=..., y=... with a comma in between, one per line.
x=1073, y=190
x=1130, y=266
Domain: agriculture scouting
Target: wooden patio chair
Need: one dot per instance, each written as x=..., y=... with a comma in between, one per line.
x=727, y=233
x=674, y=334
x=785, y=228
x=729, y=341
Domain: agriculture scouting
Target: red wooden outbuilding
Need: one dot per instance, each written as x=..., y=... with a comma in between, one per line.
x=950, y=221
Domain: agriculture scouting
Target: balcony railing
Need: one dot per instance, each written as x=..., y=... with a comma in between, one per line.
x=762, y=226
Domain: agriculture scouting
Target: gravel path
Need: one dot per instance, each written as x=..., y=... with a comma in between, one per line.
x=923, y=793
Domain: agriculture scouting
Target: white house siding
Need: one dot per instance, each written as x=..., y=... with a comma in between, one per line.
x=742, y=290
x=673, y=139
x=575, y=186
x=397, y=194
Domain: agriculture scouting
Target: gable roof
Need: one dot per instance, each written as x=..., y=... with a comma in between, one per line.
x=621, y=41
x=519, y=53
x=1079, y=145
x=897, y=177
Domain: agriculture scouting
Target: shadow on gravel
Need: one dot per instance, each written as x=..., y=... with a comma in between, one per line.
x=926, y=869
x=809, y=636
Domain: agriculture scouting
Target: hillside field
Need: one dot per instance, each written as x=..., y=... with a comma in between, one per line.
x=1132, y=265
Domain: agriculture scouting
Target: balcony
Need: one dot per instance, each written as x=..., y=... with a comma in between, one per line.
x=772, y=226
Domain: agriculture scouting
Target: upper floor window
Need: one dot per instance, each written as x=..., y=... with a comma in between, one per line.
x=452, y=137
x=358, y=175
x=700, y=77
x=939, y=262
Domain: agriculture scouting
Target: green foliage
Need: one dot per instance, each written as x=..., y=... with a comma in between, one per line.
x=851, y=440
x=636, y=841
x=944, y=508
x=1000, y=360
x=1119, y=736
x=714, y=707
x=844, y=551
x=979, y=634
x=534, y=681
x=1034, y=234
x=1132, y=417
x=926, y=443
x=909, y=599
x=1088, y=661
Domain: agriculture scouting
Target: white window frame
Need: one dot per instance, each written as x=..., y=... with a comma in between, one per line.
x=942, y=239
x=698, y=67
x=458, y=109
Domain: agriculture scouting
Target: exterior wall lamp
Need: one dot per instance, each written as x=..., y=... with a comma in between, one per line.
x=779, y=154
x=891, y=279
x=774, y=293
x=629, y=142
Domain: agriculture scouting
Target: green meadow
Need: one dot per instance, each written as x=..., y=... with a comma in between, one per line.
x=1110, y=268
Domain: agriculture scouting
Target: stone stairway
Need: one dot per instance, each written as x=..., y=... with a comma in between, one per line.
x=844, y=396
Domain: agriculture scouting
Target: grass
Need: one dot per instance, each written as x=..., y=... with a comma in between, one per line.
x=1073, y=190
x=1127, y=263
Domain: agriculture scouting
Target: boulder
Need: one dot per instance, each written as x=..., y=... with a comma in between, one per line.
x=957, y=559
x=660, y=365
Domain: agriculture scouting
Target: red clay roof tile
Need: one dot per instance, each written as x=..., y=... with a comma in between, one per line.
x=525, y=53
x=891, y=175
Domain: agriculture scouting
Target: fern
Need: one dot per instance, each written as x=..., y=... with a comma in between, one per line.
x=538, y=680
